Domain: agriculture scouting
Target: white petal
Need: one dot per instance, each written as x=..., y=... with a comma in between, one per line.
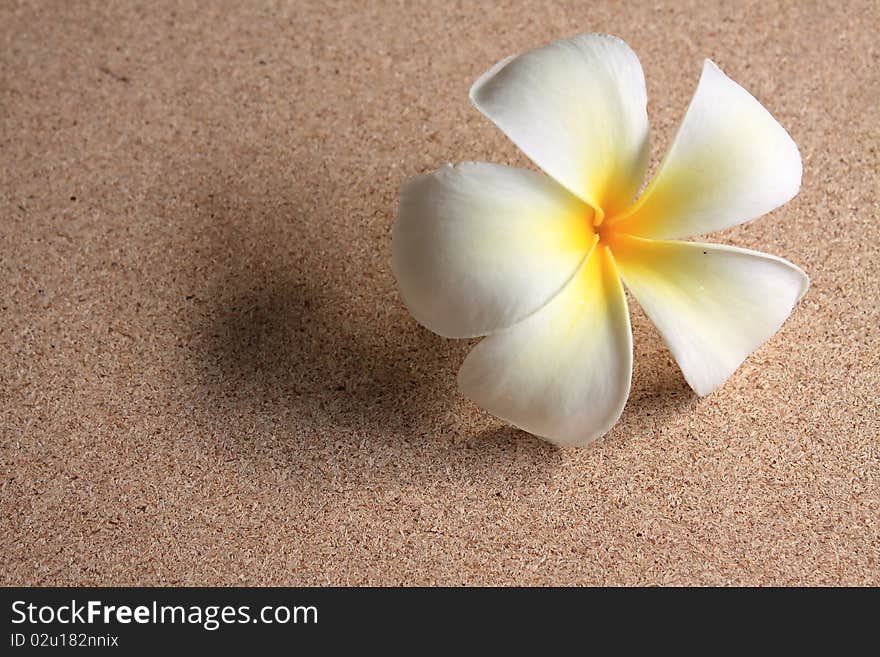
x=563, y=373
x=576, y=107
x=730, y=162
x=477, y=247
x=714, y=305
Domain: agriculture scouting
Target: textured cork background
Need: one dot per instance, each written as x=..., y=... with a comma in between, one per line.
x=207, y=376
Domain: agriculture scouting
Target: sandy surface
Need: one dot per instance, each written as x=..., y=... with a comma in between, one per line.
x=206, y=374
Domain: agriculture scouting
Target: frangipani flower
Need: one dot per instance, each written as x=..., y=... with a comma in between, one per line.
x=535, y=262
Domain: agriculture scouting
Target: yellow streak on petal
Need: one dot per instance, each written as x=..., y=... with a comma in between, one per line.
x=584, y=304
x=573, y=233
x=674, y=193
x=661, y=266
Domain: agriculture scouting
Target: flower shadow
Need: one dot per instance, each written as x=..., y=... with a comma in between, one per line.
x=292, y=340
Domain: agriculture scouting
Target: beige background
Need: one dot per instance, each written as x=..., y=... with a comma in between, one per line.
x=207, y=377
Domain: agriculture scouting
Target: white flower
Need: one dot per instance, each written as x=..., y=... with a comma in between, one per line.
x=535, y=261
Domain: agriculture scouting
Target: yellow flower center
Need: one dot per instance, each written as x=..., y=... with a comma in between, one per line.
x=603, y=227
